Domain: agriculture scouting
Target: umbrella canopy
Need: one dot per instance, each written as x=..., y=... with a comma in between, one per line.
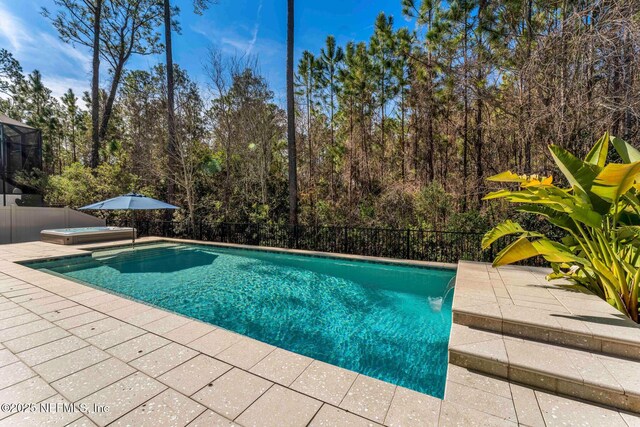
x=131, y=201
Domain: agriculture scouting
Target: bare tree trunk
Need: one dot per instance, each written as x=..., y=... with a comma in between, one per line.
x=415, y=145
x=108, y=106
x=95, y=87
x=480, y=77
x=528, y=137
x=465, y=149
x=402, y=136
x=479, y=143
x=333, y=140
x=430, y=108
x=431, y=146
x=310, y=142
x=73, y=141
x=291, y=124
x=171, y=142
x=628, y=87
x=352, y=153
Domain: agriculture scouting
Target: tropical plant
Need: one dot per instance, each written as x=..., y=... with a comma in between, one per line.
x=600, y=214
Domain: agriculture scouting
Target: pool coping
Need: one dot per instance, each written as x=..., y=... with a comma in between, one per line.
x=360, y=399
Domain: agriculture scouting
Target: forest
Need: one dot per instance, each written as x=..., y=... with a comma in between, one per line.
x=400, y=131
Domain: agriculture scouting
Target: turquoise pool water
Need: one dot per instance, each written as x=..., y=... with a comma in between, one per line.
x=372, y=318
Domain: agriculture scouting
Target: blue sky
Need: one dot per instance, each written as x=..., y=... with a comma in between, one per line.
x=233, y=26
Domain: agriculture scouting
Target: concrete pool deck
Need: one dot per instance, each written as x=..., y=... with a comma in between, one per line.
x=64, y=343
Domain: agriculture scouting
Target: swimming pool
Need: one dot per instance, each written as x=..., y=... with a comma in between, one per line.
x=372, y=318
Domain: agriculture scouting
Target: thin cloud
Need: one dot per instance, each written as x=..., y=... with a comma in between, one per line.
x=65, y=66
x=12, y=30
x=237, y=38
x=79, y=56
x=256, y=29
x=59, y=85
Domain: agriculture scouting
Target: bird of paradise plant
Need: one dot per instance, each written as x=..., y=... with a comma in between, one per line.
x=600, y=213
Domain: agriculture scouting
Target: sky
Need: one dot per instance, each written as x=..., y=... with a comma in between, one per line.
x=256, y=27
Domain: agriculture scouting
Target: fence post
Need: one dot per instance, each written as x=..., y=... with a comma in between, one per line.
x=408, y=247
x=345, y=247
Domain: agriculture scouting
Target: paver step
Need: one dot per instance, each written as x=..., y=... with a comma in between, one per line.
x=603, y=379
x=608, y=334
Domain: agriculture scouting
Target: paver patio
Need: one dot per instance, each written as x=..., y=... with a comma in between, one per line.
x=63, y=342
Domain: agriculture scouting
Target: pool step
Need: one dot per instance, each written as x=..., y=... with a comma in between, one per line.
x=607, y=380
x=612, y=335
x=126, y=249
x=138, y=255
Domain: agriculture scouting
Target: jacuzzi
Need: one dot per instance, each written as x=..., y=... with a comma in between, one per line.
x=74, y=236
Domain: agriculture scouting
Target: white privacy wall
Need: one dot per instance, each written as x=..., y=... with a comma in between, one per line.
x=24, y=223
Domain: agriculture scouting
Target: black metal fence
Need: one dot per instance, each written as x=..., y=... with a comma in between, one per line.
x=423, y=245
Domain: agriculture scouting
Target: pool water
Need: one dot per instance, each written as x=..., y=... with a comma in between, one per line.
x=372, y=318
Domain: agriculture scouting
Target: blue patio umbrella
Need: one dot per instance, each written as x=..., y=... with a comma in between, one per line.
x=132, y=202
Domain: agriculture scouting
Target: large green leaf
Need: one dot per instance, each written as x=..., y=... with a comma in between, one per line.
x=557, y=252
x=559, y=219
x=626, y=151
x=632, y=201
x=523, y=249
x=581, y=176
x=628, y=231
x=524, y=196
x=586, y=216
x=615, y=180
x=517, y=251
x=507, y=176
x=504, y=229
x=598, y=154
x=575, y=170
x=497, y=194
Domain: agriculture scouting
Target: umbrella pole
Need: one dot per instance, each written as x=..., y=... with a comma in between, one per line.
x=133, y=228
